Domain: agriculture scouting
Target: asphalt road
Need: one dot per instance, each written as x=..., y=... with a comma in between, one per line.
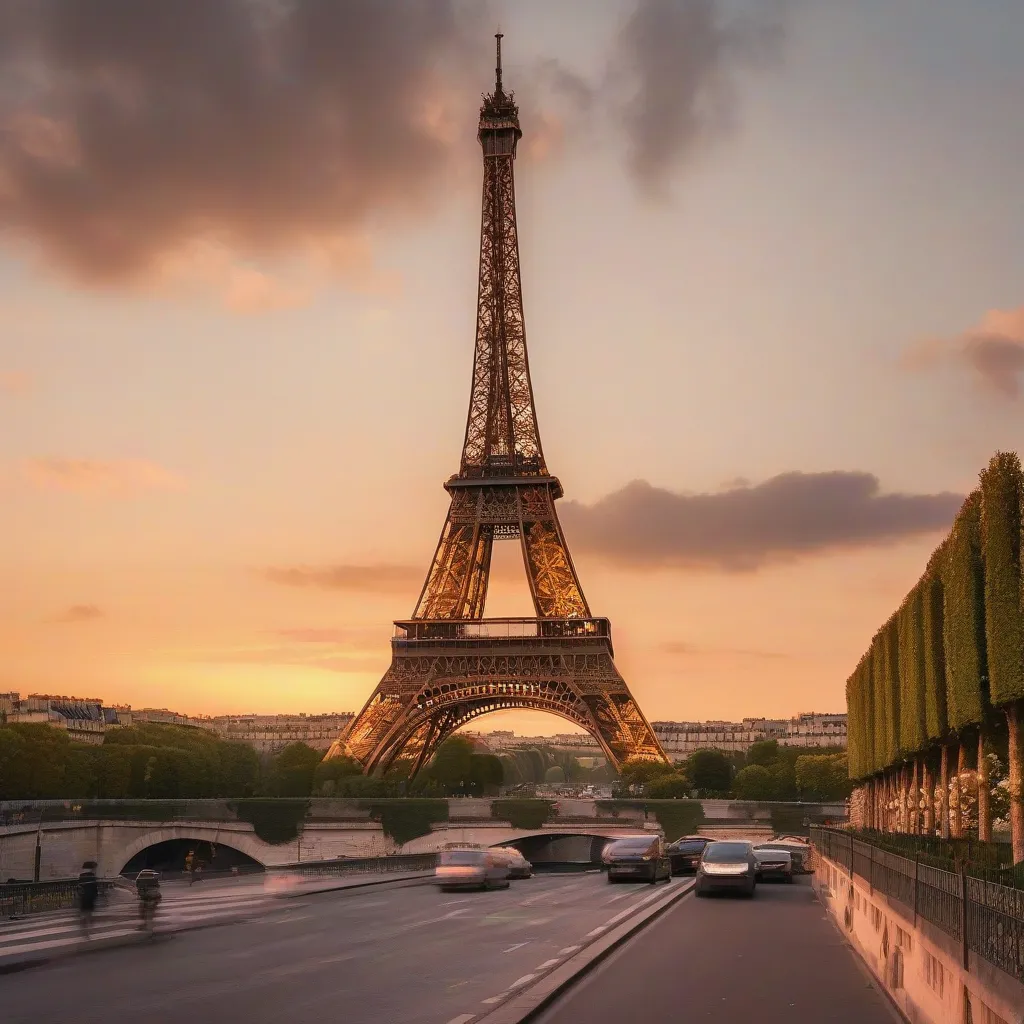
x=725, y=959
x=394, y=954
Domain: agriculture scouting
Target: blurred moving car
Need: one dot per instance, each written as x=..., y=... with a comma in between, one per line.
x=642, y=857
x=471, y=869
x=729, y=865
x=684, y=854
x=773, y=863
x=518, y=865
x=799, y=852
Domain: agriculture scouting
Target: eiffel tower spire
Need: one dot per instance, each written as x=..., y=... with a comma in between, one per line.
x=449, y=663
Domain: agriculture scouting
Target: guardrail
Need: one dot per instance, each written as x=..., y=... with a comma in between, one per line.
x=20, y=898
x=363, y=865
x=985, y=917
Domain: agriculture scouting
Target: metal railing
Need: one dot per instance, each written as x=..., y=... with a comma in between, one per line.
x=986, y=918
x=364, y=865
x=20, y=898
x=476, y=630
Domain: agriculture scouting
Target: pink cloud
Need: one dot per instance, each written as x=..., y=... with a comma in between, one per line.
x=115, y=477
x=991, y=352
x=13, y=382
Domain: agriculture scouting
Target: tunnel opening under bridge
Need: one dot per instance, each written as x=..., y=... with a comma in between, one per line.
x=569, y=851
x=171, y=857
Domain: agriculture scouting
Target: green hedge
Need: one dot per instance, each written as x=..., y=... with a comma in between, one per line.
x=1000, y=541
x=963, y=586
x=275, y=821
x=522, y=813
x=913, y=734
x=677, y=817
x=932, y=615
x=891, y=689
x=406, y=819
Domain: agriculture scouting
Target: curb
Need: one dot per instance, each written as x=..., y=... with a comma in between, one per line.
x=527, y=1004
x=100, y=944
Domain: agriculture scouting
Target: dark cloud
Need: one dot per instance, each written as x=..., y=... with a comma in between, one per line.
x=997, y=361
x=79, y=613
x=675, y=68
x=790, y=516
x=380, y=579
x=992, y=353
x=129, y=128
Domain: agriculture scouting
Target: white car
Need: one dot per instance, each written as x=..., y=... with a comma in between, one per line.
x=774, y=863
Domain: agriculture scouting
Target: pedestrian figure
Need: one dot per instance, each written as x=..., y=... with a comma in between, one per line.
x=88, y=893
x=190, y=861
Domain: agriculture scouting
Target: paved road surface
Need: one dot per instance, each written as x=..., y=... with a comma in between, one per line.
x=402, y=954
x=771, y=959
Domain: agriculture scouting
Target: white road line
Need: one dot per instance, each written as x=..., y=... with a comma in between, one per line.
x=451, y=903
x=621, y=896
x=548, y=963
x=568, y=950
x=463, y=1018
x=29, y=947
x=522, y=981
x=596, y=931
x=493, y=999
x=518, y=945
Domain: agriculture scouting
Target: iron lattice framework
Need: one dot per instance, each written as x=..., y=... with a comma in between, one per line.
x=450, y=664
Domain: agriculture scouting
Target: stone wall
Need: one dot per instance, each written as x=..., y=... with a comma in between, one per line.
x=918, y=965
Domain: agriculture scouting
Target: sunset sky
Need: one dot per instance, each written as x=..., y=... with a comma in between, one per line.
x=773, y=268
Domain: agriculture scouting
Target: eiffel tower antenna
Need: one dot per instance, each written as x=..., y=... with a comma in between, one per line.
x=449, y=664
x=497, y=69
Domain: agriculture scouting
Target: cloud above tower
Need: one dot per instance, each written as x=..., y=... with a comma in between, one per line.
x=135, y=137
x=745, y=527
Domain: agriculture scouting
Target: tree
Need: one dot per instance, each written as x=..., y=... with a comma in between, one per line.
x=709, y=771
x=675, y=786
x=554, y=774
x=486, y=774
x=755, y=782
x=329, y=773
x=639, y=771
x=822, y=777
x=293, y=770
x=451, y=764
x=764, y=752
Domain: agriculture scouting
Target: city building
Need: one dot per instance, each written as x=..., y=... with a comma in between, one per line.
x=269, y=733
x=85, y=719
x=809, y=729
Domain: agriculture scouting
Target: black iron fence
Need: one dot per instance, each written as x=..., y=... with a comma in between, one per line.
x=404, y=862
x=985, y=917
x=21, y=898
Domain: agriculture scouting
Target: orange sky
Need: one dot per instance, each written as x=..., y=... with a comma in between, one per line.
x=771, y=343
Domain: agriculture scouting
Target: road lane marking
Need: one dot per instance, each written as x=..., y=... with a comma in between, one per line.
x=522, y=981
x=518, y=945
x=621, y=896
x=568, y=950
x=463, y=1018
x=596, y=931
x=548, y=963
x=493, y=999
x=451, y=903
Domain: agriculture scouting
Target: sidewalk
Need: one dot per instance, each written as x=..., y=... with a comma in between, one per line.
x=39, y=938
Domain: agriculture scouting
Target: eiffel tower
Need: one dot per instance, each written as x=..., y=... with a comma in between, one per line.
x=449, y=664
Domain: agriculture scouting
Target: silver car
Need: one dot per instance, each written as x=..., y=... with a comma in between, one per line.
x=729, y=865
x=471, y=869
x=773, y=863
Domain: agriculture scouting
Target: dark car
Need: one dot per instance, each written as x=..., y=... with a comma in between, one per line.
x=641, y=857
x=727, y=865
x=684, y=854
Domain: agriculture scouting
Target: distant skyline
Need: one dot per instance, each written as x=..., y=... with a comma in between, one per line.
x=773, y=260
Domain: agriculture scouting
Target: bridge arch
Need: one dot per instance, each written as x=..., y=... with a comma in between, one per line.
x=238, y=843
